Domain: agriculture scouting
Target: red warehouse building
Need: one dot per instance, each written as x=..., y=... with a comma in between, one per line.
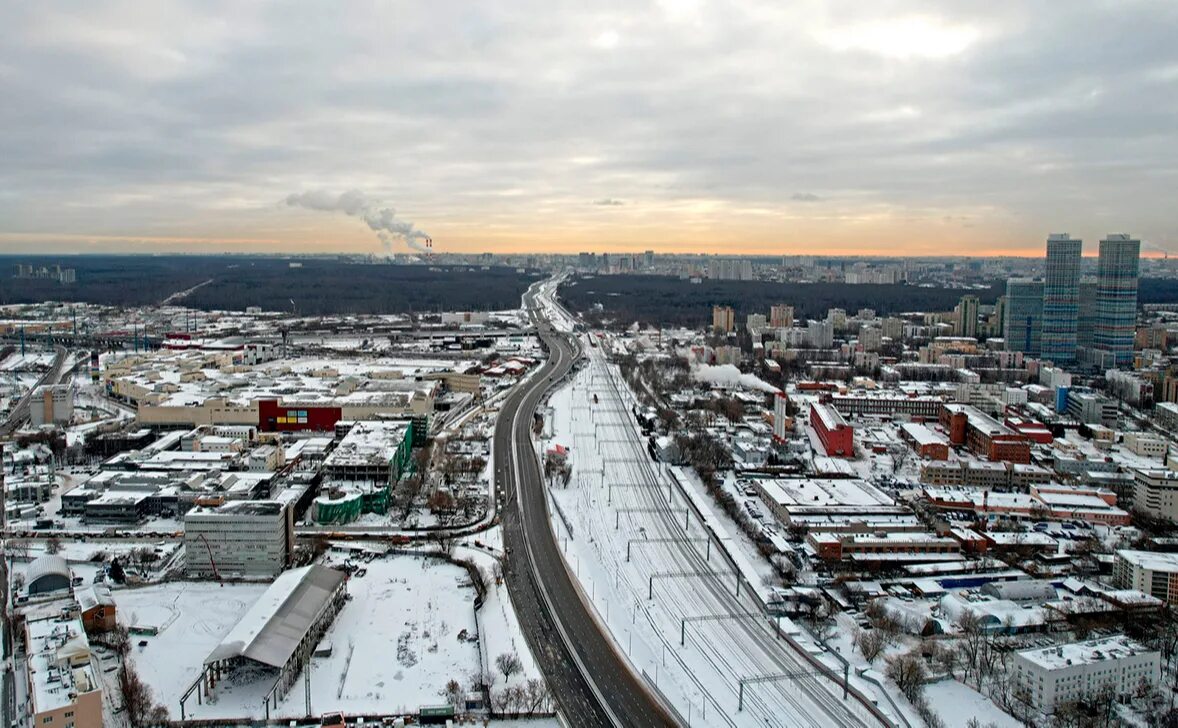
x=984, y=435
x=274, y=416
x=838, y=438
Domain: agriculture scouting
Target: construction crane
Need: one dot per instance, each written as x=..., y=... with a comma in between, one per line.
x=212, y=561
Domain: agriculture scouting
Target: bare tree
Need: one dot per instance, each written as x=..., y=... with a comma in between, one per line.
x=158, y=715
x=18, y=548
x=501, y=701
x=909, y=673
x=948, y=658
x=136, y=695
x=537, y=694
x=871, y=643
x=509, y=664
x=453, y=693
x=53, y=545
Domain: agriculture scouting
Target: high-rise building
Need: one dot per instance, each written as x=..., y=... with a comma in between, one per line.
x=837, y=318
x=1024, y=315
x=967, y=316
x=820, y=334
x=996, y=326
x=1086, y=322
x=1116, y=298
x=781, y=316
x=1061, y=299
x=723, y=319
x=870, y=338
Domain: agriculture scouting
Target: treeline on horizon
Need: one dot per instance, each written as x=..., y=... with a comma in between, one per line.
x=318, y=287
x=673, y=301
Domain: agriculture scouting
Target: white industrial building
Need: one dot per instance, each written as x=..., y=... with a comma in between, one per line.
x=1052, y=676
x=246, y=538
x=51, y=405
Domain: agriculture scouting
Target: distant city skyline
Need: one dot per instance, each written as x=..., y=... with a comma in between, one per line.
x=915, y=129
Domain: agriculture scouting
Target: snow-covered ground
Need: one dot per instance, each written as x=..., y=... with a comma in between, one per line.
x=499, y=628
x=407, y=631
x=617, y=502
x=395, y=643
x=957, y=703
x=191, y=617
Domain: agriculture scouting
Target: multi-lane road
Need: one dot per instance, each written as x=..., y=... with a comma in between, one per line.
x=20, y=412
x=591, y=682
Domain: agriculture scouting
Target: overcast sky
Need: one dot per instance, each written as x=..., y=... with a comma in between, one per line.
x=778, y=127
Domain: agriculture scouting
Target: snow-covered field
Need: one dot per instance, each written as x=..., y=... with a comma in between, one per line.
x=957, y=704
x=395, y=642
x=191, y=617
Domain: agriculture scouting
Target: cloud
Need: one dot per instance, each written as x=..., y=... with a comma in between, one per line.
x=911, y=37
x=608, y=202
x=160, y=120
x=804, y=197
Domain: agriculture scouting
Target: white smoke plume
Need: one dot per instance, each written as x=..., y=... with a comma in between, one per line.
x=727, y=375
x=379, y=217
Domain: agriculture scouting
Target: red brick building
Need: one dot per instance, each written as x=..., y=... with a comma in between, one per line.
x=984, y=435
x=927, y=443
x=837, y=437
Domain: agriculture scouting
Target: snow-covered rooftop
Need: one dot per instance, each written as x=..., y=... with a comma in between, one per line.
x=271, y=630
x=1084, y=653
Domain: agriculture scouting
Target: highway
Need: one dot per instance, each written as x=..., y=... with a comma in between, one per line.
x=20, y=412
x=790, y=687
x=590, y=681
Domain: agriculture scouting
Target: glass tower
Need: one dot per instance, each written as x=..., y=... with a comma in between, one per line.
x=1116, y=297
x=1061, y=299
x=1024, y=315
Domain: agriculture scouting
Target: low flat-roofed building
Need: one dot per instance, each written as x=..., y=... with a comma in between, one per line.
x=1047, y=502
x=881, y=548
x=117, y=507
x=984, y=435
x=984, y=474
x=926, y=442
x=63, y=688
x=888, y=404
x=1052, y=676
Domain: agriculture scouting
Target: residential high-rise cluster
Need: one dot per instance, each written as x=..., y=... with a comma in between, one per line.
x=1068, y=319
